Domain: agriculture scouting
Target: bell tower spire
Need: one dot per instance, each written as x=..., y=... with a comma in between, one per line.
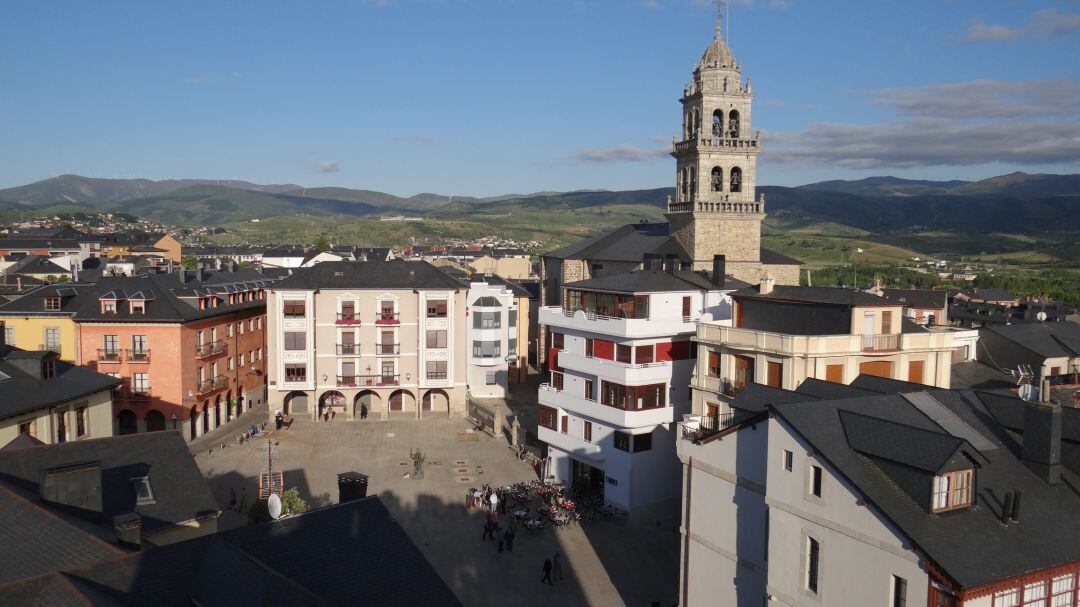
x=715, y=210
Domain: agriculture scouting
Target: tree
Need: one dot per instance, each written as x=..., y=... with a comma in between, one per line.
x=321, y=245
x=190, y=262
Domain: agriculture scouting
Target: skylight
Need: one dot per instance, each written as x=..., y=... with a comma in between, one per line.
x=144, y=494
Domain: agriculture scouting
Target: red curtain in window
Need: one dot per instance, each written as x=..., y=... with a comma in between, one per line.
x=604, y=349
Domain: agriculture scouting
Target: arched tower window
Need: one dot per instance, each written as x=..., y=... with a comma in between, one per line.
x=717, y=179
x=693, y=184
x=733, y=124
x=718, y=123
x=736, y=179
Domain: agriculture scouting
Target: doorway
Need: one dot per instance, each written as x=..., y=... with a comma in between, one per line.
x=586, y=480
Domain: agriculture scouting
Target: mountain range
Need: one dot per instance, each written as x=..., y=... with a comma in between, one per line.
x=1018, y=202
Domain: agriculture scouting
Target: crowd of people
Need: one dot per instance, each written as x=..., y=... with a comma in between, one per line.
x=494, y=501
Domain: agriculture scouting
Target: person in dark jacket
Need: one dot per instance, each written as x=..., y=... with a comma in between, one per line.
x=547, y=572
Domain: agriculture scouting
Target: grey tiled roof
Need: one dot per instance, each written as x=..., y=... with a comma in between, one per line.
x=181, y=492
x=823, y=295
x=394, y=274
x=1050, y=340
x=23, y=392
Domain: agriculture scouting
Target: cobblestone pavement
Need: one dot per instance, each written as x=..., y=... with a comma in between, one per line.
x=608, y=562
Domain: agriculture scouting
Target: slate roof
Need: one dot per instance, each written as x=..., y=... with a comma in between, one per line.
x=651, y=281
x=23, y=392
x=36, y=264
x=819, y=388
x=181, y=493
x=32, y=302
x=349, y=554
x=919, y=298
x=984, y=294
x=56, y=244
x=1049, y=340
x=165, y=293
x=890, y=434
x=886, y=385
x=394, y=274
x=819, y=295
x=37, y=542
x=494, y=279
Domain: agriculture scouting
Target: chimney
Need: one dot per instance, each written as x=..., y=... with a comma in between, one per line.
x=198, y=273
x=1007, y=508
x=258, y=267
x=128, y=529
x=767, y=284
x=1041, y=451
x=1014, y=512
x=671, y=263
x=719, y=269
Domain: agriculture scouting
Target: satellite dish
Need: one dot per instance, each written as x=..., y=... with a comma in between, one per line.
x=1027, y=393
x=1041, y=316
x=273, y=504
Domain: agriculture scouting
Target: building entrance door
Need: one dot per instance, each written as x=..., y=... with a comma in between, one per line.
x=586, y=479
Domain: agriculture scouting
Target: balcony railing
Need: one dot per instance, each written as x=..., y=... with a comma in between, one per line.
x=49, y=348
x=139, y=393
x=210, y=385
x=436, y=375
x=880, y=343
x=387, y=318
x=387, y=349
x=210, y=349
x=348, y=318
x=367, y=381
x=695, y=428
x=138, y=356
x=348, y=349
x=108, y=356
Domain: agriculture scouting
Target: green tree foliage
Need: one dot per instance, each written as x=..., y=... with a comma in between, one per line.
x=291, y=503
x=189, y=262
x=891, y=277
x=321, y=245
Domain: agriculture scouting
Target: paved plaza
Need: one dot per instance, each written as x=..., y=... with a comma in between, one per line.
x=607, y=562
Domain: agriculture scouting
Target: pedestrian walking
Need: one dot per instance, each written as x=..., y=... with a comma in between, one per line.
x=557, y=564
x=494, y=502
x=547, y=572
x=500, y=536
x=489, y=529
x=502, y=502
x=333, y=413
x=243, y=498
x=232, y=498
x=510, y=538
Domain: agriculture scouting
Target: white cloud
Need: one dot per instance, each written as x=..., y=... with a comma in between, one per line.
x=1043, y=24
x=957, y=124
x=623, y=152
x=325, y=167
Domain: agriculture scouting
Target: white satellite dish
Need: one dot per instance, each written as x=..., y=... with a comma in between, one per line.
x=1041, y=316
x=273, y=504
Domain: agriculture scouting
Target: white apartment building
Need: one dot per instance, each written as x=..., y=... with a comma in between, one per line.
x=620, y=361
x=892, y=497
x=368, y=339
x=497, y=355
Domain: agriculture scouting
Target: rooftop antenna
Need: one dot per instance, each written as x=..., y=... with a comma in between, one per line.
x=721, y=7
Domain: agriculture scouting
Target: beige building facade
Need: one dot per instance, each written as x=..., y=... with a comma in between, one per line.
x=341, y=344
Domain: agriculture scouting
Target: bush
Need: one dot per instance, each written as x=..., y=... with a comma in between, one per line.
x=291, y=503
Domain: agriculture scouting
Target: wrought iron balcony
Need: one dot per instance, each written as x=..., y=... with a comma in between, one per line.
x=210, y=349
x=108, y=356
x=139, y=393
x=348, y=318
x=387, y=349
x=348, y=349
x=387, y=318
x=213, y=384
x=138, y=356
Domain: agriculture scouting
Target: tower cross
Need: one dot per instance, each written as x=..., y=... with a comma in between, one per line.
x=720, y=5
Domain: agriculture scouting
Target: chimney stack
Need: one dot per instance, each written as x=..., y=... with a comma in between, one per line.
x=1007, y=508
x=719, y=271
x=128, y=529
x=1041, y=451
x=198, y=273
x=767, y=284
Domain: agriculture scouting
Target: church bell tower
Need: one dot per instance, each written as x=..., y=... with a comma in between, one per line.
x=715, y=211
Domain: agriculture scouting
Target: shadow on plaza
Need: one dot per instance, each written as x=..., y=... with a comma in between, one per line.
x=225, y=486
x=451, y=537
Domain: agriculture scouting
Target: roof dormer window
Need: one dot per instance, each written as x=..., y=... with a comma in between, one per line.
x=137, y=306
x=952, y=490
x=52, y=304
x=48, y=368
x=108, y=306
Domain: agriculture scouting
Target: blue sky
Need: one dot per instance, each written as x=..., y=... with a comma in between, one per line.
x=484, y=97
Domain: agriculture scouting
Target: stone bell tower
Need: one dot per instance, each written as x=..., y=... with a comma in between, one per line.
x=715, y=211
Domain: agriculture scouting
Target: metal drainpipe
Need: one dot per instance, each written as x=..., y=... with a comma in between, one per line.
x=684, y=564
